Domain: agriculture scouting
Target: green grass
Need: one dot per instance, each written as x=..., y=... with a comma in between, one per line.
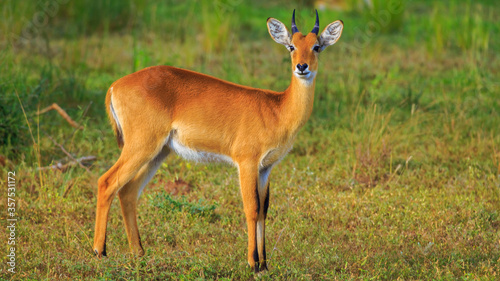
x=395, y=176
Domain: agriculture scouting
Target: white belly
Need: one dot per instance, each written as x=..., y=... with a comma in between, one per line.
x=195, y=155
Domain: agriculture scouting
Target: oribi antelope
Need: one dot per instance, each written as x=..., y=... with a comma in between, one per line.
x=162, y=108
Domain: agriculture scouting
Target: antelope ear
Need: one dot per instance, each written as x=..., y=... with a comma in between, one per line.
x=278, y=32
x=330, y=34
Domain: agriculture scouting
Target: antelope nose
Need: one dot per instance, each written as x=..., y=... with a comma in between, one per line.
x=302, y=67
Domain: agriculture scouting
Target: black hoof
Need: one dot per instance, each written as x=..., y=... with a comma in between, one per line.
x=104, y=250
x=103, y=254
x=263, y=267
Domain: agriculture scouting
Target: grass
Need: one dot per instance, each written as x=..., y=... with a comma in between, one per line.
x=395, y=176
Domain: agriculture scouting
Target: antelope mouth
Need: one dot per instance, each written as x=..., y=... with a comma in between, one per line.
x=306, y=76
x=302, y=73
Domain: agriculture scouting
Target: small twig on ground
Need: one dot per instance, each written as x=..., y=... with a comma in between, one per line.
x=67, y=153
x=70, y=185
x=62, y=167
x=61, y=112
x=81, y=117
x=274, y=248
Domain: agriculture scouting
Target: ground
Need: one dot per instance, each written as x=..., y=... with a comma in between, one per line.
x=395, y=176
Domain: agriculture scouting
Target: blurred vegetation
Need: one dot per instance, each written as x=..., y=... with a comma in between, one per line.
x=396, y=175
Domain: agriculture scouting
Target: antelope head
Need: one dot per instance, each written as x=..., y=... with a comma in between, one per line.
x=304, y=49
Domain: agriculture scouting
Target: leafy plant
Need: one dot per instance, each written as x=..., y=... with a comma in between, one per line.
x=168, y=204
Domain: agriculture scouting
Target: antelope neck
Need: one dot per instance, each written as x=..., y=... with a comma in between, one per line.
x=299, y=101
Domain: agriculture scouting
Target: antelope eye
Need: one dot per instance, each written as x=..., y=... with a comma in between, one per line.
x=291, y=48
x=316, y=48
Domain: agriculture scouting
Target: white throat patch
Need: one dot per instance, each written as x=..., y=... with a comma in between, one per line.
x=306, y=79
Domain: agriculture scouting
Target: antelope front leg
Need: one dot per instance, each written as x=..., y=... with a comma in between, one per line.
x=249, y=183
x=263, y=191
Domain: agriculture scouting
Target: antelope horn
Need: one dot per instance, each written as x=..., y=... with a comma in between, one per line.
x=294, y=27
x=316, y=25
